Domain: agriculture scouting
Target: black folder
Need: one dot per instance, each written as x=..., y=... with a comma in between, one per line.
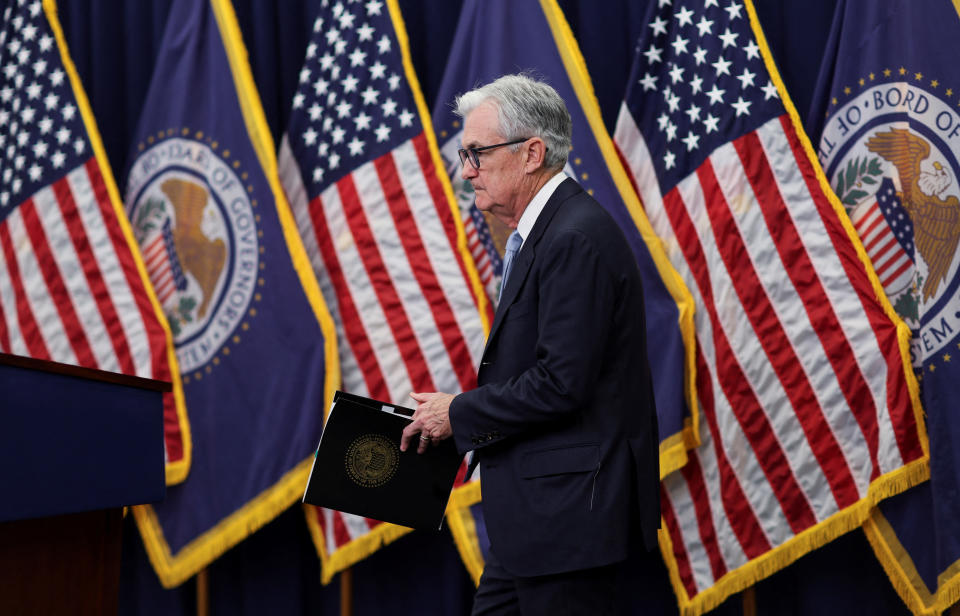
x=360, y=469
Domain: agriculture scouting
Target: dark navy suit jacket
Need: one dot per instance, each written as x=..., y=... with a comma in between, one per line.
x=563, y=418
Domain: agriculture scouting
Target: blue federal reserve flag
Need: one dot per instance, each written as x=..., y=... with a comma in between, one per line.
x=888, y=96
x=255, y=344
x=494, y=38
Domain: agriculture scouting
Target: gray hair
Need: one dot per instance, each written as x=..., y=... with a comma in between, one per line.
x=526, y=108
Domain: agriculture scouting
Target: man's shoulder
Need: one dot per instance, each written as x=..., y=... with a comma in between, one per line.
x=580, y=219
x=579, y=211
x=574, y=203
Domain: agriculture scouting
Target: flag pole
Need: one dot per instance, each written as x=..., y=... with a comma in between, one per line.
x=203, y=593
x=749, y=601
x=346, y=592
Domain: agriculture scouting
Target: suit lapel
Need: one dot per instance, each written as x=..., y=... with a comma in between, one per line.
x=524, y=259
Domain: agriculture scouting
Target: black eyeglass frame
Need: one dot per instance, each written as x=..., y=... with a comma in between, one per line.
x=472, y=154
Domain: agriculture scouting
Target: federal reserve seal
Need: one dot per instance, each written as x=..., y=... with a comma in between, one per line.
x=890, y=153
x=197, y=231
x=372, y=460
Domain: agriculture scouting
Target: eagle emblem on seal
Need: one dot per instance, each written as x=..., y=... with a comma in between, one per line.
x=202, y=257
x=936, y=221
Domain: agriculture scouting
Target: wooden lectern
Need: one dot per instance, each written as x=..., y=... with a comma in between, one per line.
x=76, y=446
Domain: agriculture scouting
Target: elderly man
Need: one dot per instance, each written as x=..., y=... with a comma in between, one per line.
x=563, y=420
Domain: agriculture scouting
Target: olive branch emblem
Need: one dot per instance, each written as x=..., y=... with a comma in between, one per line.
x=908, y=304
x=852, y=182
x=181, y=314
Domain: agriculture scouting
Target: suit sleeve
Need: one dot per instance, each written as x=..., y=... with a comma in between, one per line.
x=575, y=305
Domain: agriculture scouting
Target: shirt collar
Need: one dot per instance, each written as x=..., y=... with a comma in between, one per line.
x=530, y=215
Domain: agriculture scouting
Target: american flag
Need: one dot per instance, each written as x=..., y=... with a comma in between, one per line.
x=362, y=177
x=801, y=374
x=886, y=231
x=71, y=290
x=163, y=266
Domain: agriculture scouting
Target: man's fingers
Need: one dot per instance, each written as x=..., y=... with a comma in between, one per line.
x=430, y=418
x=415, y=432
x=408, y=434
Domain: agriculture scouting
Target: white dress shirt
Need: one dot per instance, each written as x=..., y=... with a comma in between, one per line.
x=529, y=216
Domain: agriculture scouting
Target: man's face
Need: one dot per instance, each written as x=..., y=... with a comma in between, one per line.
x=496, y=183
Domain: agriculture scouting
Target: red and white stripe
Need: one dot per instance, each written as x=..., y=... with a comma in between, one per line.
x=70, y=291
x=340, y=529
x=800, y=378
x=158, y=268
x=478, y=252
x=893, y=265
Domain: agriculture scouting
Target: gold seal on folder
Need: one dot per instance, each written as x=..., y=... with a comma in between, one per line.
x=371, y=460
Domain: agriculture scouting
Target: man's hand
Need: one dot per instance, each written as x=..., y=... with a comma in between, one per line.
x=431, y=421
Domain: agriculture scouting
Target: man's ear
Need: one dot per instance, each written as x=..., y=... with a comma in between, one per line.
x=536, y=151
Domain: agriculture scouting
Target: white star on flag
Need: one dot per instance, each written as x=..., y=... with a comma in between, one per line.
x=659, y=26
x=653, y=54
x=742, y=106
x=722, y=66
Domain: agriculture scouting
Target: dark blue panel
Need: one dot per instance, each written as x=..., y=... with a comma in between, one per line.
x=840, y=579
x=70, y=444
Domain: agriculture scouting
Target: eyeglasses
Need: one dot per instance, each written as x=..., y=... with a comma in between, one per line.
x=473, y=154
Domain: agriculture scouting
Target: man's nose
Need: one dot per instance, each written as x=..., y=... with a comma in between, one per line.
x=467, y=171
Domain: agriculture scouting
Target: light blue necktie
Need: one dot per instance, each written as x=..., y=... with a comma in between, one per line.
x=513, y=245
